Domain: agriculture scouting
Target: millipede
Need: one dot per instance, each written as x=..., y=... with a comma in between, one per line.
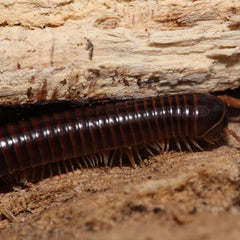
x=104, y=134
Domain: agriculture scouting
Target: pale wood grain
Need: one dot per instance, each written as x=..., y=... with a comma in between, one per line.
x=141, y=48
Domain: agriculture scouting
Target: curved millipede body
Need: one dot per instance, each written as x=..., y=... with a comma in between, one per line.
x=102, y=133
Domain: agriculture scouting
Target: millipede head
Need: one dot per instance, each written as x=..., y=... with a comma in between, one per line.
x=212, y=118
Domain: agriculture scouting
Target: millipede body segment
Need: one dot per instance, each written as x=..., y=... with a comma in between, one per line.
x=104, y=133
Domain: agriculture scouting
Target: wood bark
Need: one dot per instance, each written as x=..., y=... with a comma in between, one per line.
x=78, y=49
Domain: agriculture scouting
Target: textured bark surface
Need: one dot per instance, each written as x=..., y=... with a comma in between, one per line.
x=94, y=49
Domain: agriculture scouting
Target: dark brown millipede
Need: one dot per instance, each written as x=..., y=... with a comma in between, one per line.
x=102, y=134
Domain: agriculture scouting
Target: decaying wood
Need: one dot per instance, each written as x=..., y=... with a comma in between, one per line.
x=95, y=49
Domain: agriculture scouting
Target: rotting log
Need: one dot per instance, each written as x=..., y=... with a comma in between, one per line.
x=79, y=49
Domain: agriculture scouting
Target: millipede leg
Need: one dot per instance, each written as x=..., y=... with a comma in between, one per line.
x=149, y=151
x=154, y=146
x=187, y=144
x=130, y=157
x=178, y=145
x=101, y=158
x=89, y=159
x=50, y=170
x=95, y=159
x=77, y=161
x=112, y=158
x=85, y=162
x=139, y=157
x=120, y=158
x=59, y=169
x=106, y=157
x=167, y=146
x=161, y=146
x=209, y=141
x=65, y=167
x=71, y=165
x=196, y=144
